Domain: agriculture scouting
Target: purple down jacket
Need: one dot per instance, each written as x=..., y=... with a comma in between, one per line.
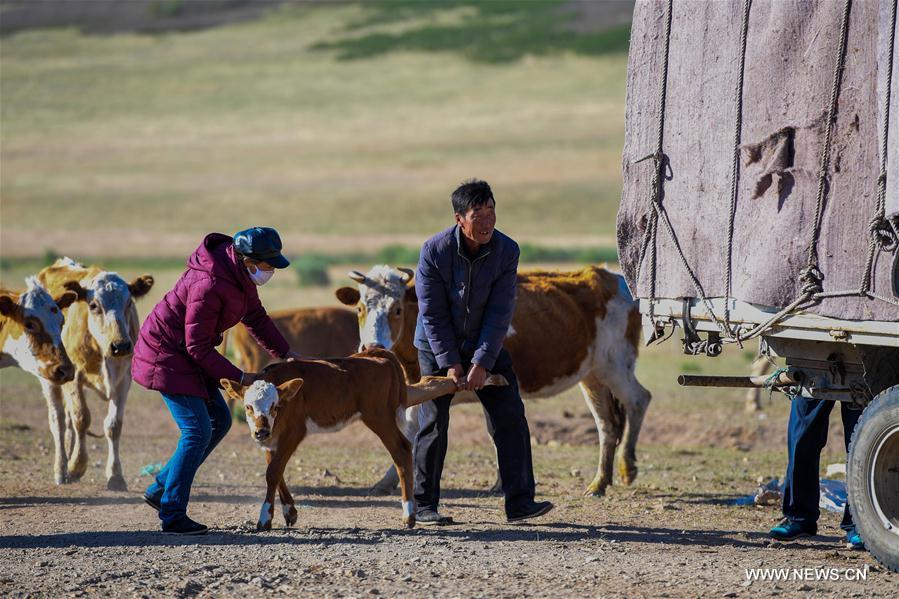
x=175, y=352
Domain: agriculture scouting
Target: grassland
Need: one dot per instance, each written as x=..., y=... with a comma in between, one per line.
x=344, y=125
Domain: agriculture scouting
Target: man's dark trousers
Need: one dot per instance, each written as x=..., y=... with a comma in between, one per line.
x=806, y=437
x=505, y=410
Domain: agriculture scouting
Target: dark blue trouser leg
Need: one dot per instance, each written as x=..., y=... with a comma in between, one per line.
x=203, y=425
x=511, y=435
x=850, y=418
x=430, y=445
x=806, y=437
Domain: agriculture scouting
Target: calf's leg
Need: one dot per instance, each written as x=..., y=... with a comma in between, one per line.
x=287, y=506
x=407, y=421
x=274, y=477
x=401, y=451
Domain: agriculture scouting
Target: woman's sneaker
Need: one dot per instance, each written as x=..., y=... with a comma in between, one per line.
x=184, y=526
x=788, y=530
x=151, y=501
x=854, y=541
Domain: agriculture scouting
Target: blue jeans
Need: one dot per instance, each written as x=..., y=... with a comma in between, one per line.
x=806, y=438
x=203, y=424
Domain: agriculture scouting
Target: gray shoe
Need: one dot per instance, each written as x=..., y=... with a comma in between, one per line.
x=432, y=518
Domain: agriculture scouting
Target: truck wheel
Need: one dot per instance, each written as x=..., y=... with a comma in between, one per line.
x=873, y=477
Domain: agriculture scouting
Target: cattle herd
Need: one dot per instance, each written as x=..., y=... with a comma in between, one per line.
x=75, y=326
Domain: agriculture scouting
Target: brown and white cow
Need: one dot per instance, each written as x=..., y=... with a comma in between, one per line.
x=294, y=399
x=579, y=327
x=99, y=335
x=326, y=332
x=31, y=331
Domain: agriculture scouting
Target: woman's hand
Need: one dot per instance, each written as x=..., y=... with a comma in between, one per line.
x=247, y=378
x=292, y=356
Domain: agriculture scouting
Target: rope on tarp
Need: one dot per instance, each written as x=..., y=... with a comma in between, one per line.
x=658, y=158
x=648, y=244
x=735, y=164
x=810, y=277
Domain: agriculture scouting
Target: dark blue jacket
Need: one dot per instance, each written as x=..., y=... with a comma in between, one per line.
x=465, y=305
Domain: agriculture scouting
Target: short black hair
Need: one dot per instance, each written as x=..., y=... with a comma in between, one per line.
x=470, y=194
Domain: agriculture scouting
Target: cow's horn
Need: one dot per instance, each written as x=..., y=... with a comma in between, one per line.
x=356, y=276
x=410, y=274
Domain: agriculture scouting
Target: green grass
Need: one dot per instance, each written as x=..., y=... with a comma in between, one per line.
x=346, y=120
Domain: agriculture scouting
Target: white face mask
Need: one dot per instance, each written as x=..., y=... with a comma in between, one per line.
x=261, y=277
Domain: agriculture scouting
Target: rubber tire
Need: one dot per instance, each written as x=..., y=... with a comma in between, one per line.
x=881, y=415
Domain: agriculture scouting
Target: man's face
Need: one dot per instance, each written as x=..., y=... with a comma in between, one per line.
x=478, y=223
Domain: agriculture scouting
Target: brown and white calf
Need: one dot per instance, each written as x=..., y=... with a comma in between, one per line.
x=99, y=335
x=569, y=328
x=294, y=399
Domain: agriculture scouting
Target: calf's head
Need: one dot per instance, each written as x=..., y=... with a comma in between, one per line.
x=262, y=401
x=35, y=335
x=386, y=304
x=109, y=300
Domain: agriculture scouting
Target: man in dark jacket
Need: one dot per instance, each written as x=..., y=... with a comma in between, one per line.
x=466, y=295
x=176, y=354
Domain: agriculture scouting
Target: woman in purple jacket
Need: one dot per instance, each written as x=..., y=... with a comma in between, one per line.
x=175, y=354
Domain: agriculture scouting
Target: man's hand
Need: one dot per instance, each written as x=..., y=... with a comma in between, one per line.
x=477, y=375
x=458, y=375
x=292, y=356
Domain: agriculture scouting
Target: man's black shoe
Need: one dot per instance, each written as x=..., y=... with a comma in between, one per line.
x=534, y=509
x=184, y=526
x=153, y=503
x=432, y=518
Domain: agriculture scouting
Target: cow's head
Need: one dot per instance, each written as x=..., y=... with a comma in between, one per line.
x=35, y=339
x=109, y=301
x=383, y=303
x=262, y=401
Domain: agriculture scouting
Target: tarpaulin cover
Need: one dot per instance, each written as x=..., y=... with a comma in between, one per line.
x=790, y=59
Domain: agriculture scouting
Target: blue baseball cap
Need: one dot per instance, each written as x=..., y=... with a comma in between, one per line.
x=262, y=244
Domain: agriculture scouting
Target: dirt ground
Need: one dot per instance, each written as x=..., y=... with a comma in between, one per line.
x=674, y=533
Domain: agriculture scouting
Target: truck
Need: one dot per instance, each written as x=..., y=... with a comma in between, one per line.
x=760, y=202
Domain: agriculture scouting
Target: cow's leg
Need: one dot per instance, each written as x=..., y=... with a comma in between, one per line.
x=407, y=421
x=634, y=398
x=274, y=476
x=112, y=428
x=79, y=418
x=497, y=488
x=56, y=417
x=287, y=505
x=609, y=418
x=401, y=451
x=754, y=394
